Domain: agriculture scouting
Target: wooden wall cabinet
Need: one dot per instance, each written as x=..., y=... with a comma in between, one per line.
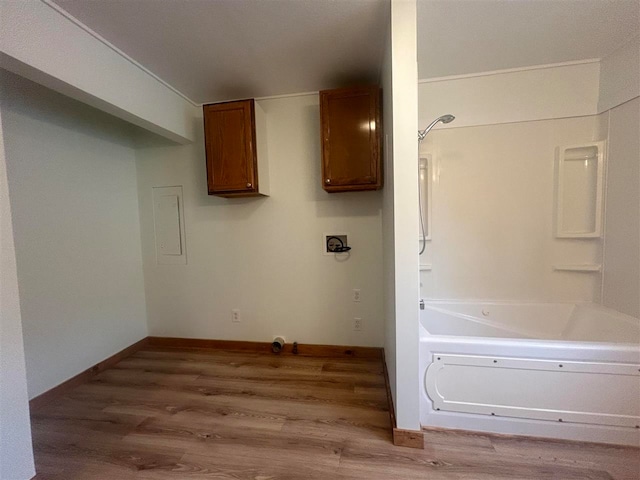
x=351, y=132
x=235, y=145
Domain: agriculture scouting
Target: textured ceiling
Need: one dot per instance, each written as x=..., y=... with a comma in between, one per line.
x=214, y=50
x=466, y=36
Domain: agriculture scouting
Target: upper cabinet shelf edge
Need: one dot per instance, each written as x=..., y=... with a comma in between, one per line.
x=351, y=132
x=235, y=146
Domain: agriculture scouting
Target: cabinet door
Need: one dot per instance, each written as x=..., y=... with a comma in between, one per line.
x=230, y=148
x=351, y=139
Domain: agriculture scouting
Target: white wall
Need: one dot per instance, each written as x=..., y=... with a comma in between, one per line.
x=41, y=42
x=264, y=255
x=511, y=96
x=621, y=287
x=72, y=178
x=16, y=456
x=620, y=76
x=404, y=77
x=388, y=240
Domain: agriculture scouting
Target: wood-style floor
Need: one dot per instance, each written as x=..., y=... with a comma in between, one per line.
x=176, y=414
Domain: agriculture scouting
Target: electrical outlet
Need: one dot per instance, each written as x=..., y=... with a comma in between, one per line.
x=357, y=324
x=356, y=295
x=235, y=315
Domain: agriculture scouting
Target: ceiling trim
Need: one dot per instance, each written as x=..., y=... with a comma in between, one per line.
x=103, y=40
x=509, y=70
x=268, y=97
x=287, y=95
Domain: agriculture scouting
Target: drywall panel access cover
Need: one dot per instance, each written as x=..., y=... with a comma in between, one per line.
x=169, y=225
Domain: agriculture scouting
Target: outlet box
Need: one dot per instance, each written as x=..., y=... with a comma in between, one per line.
x=235, y=315
x=356, y=295
x=357, y=324
x=332, y=240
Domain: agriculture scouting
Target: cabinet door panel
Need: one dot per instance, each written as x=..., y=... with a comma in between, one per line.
x=229, y=139
x=350, y=130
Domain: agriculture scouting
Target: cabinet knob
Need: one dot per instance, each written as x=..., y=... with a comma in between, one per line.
x=249, y=185
x=328, y=180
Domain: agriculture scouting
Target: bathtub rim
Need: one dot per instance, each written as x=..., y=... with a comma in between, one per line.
x=428, y=305
x=531, y=342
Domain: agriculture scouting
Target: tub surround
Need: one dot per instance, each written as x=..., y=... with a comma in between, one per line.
x=492, y=237
x=492, y=231
x=621, y=269
x=493, y=183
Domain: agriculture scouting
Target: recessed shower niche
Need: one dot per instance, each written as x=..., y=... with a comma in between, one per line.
x=579, y=190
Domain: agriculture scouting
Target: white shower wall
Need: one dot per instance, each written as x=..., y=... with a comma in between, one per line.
x=621, y=282
x=620, y=97
x=493, y=214
x=493, y=180
x=492, y=207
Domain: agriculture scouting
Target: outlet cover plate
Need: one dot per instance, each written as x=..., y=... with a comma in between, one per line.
x=357, y=324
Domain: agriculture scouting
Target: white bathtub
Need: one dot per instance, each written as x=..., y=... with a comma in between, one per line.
x=549, y=370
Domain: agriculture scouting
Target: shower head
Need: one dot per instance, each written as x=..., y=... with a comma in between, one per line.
x=444, y=119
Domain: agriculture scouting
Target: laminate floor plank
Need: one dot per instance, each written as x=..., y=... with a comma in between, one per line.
x=365, y=372
x=202, y=364
x=623, y=463
x=239, y=468
x=82, y=457
x=461, y=461
x=202, y=439
x=177, y=414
